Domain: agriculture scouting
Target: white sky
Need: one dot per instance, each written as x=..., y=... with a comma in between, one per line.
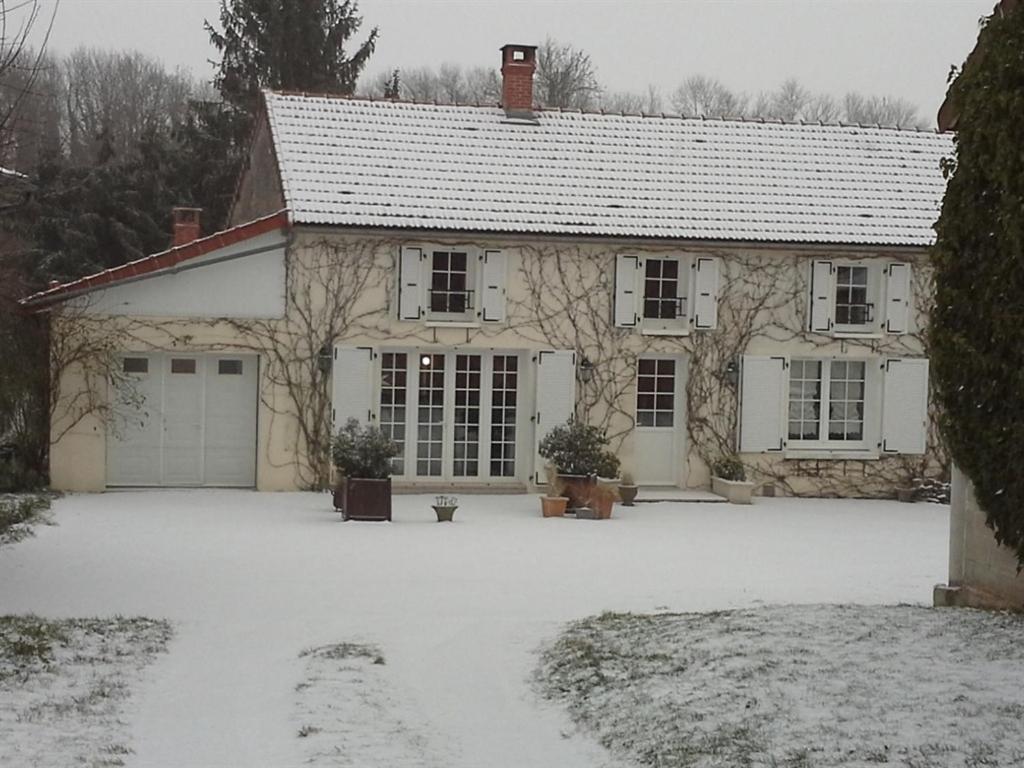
x=884, y=47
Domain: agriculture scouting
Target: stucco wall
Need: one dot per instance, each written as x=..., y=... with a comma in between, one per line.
x=981, y=572
x=559, y=296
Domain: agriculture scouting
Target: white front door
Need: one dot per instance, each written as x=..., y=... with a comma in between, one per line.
x=455, y=415
x=658, y=435
x=184, y=420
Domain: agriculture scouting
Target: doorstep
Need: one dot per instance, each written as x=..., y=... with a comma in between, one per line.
x=454, y=489
x=650, y=494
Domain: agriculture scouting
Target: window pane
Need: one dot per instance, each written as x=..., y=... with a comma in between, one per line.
x=229, y=367
x=136, y=365
x=183, y=365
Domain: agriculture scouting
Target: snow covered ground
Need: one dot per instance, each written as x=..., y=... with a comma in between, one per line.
x=797, y=686
x=253, y=582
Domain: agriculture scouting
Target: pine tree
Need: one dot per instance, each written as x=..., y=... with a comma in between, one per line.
x=977, y=333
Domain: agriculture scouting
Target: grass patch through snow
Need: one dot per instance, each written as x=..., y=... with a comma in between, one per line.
x=795, y=687
x=64, y=685
x=19, y=513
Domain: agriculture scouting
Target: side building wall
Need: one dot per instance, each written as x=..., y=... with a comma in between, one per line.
x=982, y=574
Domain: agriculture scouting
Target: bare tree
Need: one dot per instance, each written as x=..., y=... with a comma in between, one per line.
x=647, y=102
x=20, y=68
x=700, y=95
x=114, y=99
x=881, y=110
x=565, y=77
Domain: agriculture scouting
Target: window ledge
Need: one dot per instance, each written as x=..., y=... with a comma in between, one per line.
x=451, y=324
x=824, y=453
x=857, y=335
x=664, y=331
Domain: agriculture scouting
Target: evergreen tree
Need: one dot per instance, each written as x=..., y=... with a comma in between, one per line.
x=977, y=333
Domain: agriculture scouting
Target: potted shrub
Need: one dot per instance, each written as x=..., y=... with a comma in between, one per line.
x=729, y=479
x=362, y=456
x=627, y=489
x=602, y=498
x=579, y=453
x=553, y=503
x=444, y=508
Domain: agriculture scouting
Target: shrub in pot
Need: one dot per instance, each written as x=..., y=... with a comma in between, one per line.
x=362, y=456
x=729, y=479
x=553, y=503
x=579, y=452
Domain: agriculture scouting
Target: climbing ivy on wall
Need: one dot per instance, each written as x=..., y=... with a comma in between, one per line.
x=977, y=333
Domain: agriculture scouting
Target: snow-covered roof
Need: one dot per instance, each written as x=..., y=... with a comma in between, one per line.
x=355, y=162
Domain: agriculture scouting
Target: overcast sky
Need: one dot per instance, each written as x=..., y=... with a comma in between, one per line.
x=884, y=47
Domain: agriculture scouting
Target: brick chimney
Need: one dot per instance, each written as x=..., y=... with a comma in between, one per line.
x=186, y=225
x=518, y=63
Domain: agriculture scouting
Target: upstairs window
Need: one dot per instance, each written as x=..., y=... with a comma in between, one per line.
x=652, y=293
x=663, y=299
x=866, y=297
x=449, y=283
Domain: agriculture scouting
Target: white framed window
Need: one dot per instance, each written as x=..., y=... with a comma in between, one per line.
x=442, y=284
x=867, y=297
x=827, y=401
x=826, y=407
x=667, y=294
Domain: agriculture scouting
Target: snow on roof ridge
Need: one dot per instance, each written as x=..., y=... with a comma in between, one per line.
x=601, y=111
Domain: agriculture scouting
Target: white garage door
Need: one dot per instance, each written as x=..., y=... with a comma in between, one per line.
x=184, y=420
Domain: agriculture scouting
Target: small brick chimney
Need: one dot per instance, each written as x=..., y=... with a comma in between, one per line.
x=518, y=63
x=186, y=225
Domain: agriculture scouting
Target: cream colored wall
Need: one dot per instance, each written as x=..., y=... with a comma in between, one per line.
x=981, y=572
x=577, y=276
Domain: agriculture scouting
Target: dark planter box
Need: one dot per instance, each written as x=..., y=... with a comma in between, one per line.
x=363, y=499
x=579, y=489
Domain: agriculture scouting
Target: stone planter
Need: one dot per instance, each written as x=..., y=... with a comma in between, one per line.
x=553, y=506
x=627, y=493
x=587, y=513
x=444, y=513
x=578, y=488
x=906, y=495
x=735, y=491
x=364, y=499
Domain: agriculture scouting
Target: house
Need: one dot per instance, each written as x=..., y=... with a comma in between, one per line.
x=467, y=277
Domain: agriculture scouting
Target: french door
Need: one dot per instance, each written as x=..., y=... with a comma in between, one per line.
x=453, y=414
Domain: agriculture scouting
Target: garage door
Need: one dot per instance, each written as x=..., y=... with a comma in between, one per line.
x=184, y=420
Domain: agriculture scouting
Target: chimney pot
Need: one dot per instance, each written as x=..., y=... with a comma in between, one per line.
x=518, y=63
x=186, y=225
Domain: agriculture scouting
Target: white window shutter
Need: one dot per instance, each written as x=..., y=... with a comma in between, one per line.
x=897, y=298
x=762, y=403
x=627, y=309
x=822, y=296
x=905, y=406
x=352, y=385
x=410, y=284
x=492, y=300
x=555, y=401
x=705, y=293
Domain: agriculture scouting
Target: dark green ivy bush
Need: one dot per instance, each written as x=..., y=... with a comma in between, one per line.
x=977, y=332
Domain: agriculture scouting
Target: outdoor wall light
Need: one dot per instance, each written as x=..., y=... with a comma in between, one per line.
x=586, y=370
x=732, y=372
x=425, y=361
x=323, y=359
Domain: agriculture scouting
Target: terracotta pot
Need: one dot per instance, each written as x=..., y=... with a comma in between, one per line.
x=553, y=506
x=628, y=493
x=366, y=499
x=578, y=488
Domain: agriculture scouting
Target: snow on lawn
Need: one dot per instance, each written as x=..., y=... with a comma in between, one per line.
x=65, y=685
x=457, y=610
x=797, y=686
